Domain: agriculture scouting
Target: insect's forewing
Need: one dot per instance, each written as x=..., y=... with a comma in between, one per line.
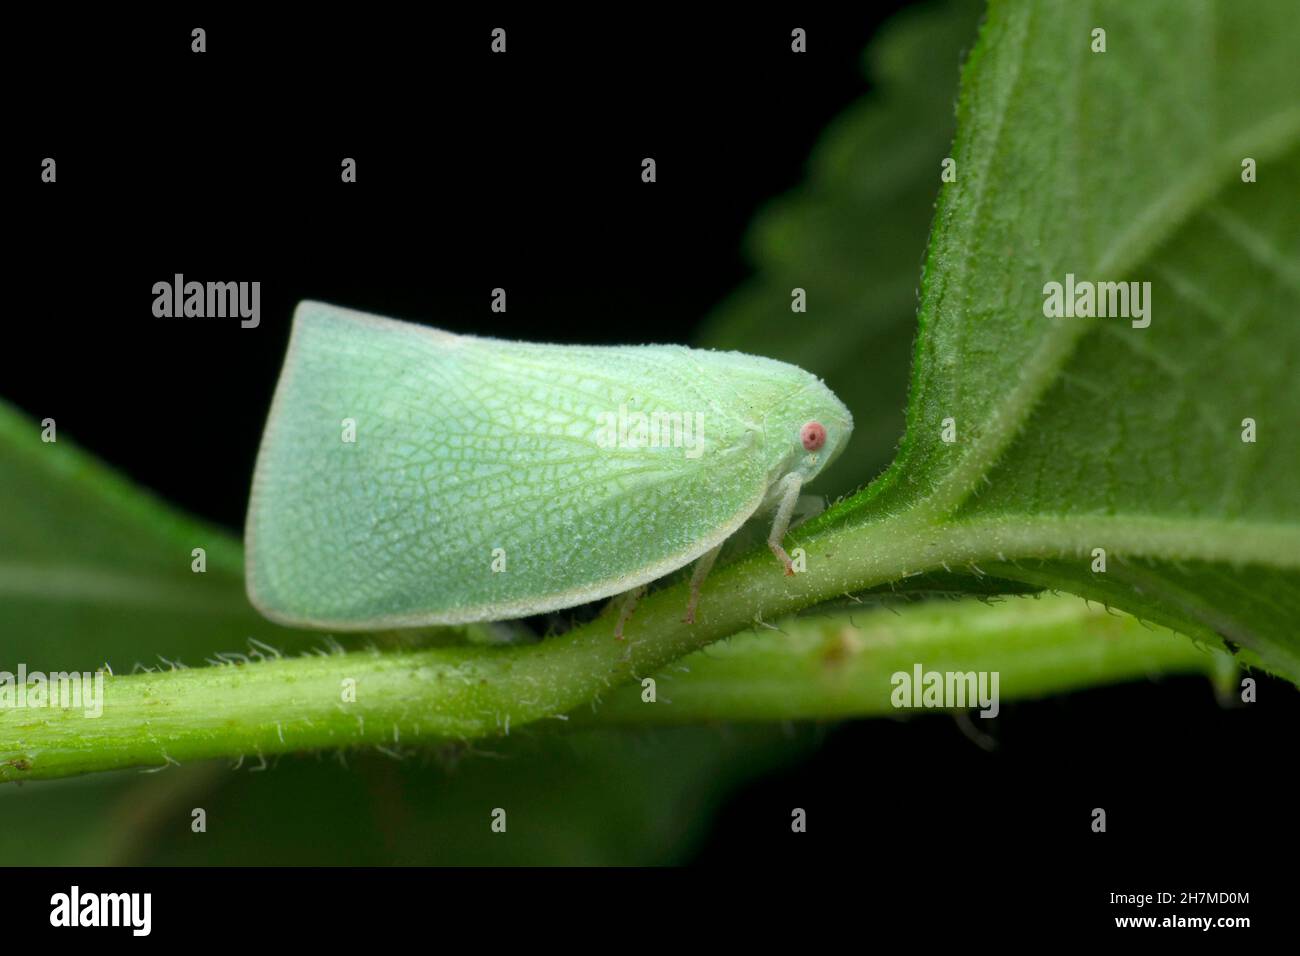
x=409, y=476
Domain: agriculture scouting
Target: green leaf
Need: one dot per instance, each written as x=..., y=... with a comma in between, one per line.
x=1075, y=434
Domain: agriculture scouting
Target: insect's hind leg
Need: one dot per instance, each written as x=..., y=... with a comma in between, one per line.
x=630, y=600
x=703, y=565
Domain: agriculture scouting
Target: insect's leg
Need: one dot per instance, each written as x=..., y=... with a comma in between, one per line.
x=703, y=565
x=630, y=600
x=789, y=491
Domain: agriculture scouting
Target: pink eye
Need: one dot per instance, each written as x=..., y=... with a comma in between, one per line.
x=813, y=436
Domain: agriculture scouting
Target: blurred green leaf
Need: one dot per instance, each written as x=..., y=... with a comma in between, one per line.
x=94, y=569
x=591, y=797
x=853, y=236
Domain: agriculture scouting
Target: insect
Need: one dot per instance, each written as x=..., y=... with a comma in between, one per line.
x=409, y=476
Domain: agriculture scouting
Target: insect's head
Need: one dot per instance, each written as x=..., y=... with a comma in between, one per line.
x=822, y=430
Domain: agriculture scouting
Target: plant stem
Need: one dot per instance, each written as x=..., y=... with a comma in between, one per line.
x=819, y=668
x=842, y=665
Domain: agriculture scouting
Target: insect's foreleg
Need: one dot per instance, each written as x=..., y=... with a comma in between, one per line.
x=703, y=565
x=789, y=492
x=630, y=600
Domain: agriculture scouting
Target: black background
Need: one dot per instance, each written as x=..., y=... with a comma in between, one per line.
x=523, y=171
x=475, y=171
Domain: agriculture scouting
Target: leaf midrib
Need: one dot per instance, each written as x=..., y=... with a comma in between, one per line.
x=66, y=582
